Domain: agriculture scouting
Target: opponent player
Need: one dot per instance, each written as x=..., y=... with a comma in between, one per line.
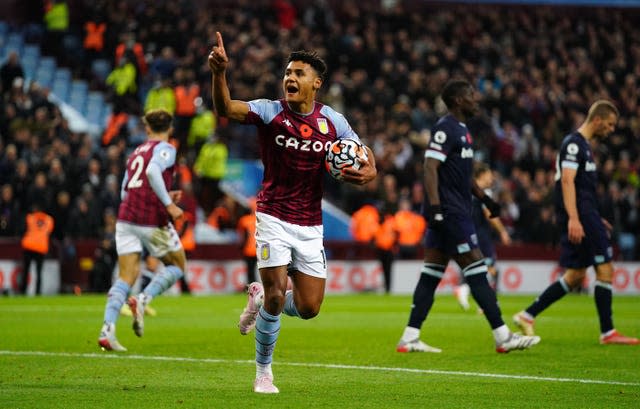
x=584, y=237
x=294, y=133
x=484, y=223
x=144, y=219
x=450, y=231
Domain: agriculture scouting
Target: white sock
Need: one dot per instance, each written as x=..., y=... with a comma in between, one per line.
x=527, y=316
x=262, y=370
x=606, y=334
x=410, y=334
x=501, y=334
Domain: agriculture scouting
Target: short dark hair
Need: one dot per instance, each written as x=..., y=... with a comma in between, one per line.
x=452, y=90
x=312, y=58
x=159, y=120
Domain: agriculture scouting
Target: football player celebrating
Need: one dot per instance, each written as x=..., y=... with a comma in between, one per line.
x=294, y=133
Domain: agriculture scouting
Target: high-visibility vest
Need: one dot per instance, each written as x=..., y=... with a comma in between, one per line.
x=161, y=98
x=202, y=126
x=94, y=40
x=212, y=160
x=217, y=214
x=386, y=235
x=39, y=227
x=411, y=227
x=187, y=238
x=123, y=79
x=184, y=173
x=247, y=226
x=115, y=123
x=364, y=223
x=138, y=51
x=56, y=18
x=185, y=97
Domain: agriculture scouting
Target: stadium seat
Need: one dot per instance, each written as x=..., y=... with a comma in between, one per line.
x=29, y=65
x=31, y=50
x=80, y=87
x=48, y=63
x=94, y=114
x=16, y=40
x=62, y=74
x=95, y=98
x=60, y=87
x=44, y=76
x=94, y=106
x=101, y=69
x=78, y=95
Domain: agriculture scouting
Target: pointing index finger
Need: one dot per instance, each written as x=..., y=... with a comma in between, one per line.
x=219, y=38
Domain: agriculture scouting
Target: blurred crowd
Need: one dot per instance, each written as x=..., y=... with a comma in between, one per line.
x=537, y=70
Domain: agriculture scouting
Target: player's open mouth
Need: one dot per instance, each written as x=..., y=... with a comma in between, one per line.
x=291, y=89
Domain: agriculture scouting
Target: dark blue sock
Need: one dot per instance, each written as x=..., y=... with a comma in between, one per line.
x=423, y=293
x=603, y=295
x=486, y=298
x=552, y=294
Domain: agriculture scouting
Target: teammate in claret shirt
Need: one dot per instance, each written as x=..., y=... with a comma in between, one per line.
x=144, y=220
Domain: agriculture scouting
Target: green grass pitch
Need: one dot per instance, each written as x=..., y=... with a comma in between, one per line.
x=192, y=356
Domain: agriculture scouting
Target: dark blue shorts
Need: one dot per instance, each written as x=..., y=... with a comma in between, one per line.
x=457, y=235
x=595, y=247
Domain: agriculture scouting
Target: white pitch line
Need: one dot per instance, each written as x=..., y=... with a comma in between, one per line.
x=317, y=365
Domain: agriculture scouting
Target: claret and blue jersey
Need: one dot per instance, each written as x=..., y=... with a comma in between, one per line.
x=141, y=205
x=293, y=147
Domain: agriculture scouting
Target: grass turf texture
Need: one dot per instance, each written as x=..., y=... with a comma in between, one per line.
x=192, y=356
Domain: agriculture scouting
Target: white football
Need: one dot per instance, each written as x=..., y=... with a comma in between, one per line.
x=343, y=154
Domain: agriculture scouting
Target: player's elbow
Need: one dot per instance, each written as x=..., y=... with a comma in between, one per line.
x=222, y=109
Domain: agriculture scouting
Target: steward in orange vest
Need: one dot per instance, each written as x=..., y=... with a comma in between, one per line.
x=365, y=223
x=247, y=232
x=385, y=239
x=94, y=39
x=411, y=227
x=35, y=245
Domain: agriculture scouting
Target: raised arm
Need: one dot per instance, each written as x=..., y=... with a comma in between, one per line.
x=226, y=107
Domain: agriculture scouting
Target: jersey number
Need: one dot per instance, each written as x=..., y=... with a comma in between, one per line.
x=137, y=165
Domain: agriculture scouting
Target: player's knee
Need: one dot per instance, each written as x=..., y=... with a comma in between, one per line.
x=176, y=258
x=604, y=272
x=573, y=278
x=273, y=301
x=307, y=312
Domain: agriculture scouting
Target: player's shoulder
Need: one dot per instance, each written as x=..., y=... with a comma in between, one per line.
x=574, y=143
x=447, y=127
x=164, y=146
x=449, y=123
x=267, y=109
x=265, y=102
x=328, y=112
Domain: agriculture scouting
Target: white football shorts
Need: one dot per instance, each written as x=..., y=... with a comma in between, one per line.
x=130, y=238
x=280, y=243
